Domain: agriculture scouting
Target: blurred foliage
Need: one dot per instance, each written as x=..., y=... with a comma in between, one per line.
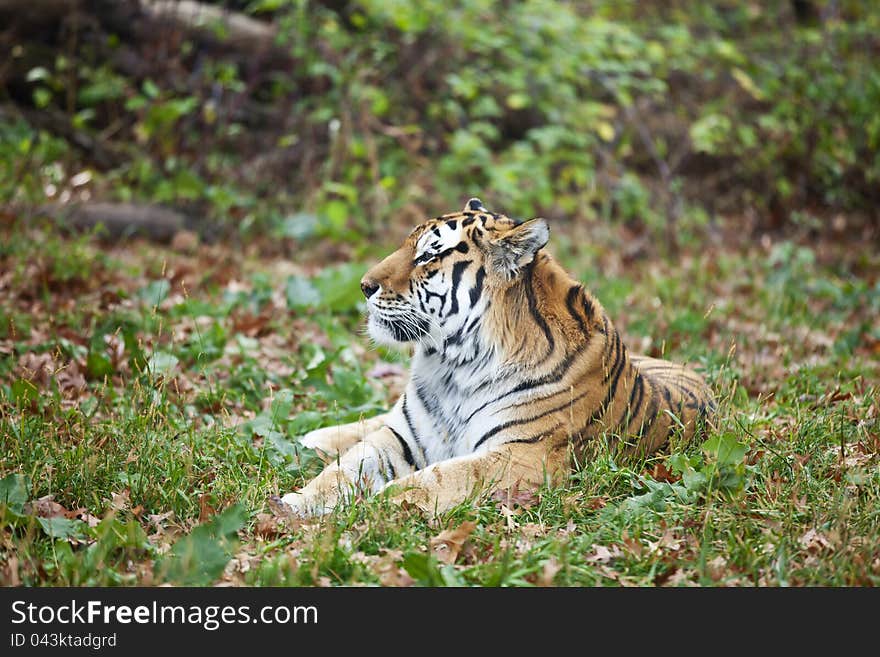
x=645, y=112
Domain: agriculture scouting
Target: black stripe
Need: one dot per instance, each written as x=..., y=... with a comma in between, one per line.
x=570, y=299
x=467, y=222
x=412, y=429
x=387, y=464
x=555, y=376
x=614, y=374
x=589, y=311
x=407, y=454
x=533, y=439
x=615, y=348
x=533, y=307
x=429, y=407
x=647, y=423
x=621, y=361
x=513, y=423
x=626, y=413
x=634, y=408
x=457, y=271
x=477, y=290
x=452, y=223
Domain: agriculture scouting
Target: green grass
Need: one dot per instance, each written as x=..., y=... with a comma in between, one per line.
x=157, y=398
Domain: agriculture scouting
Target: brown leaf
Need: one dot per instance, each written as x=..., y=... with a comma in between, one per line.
x=717, y=568
x=71, y=381
x=206, y=511
x=632, y=545
x=661, y=473
x=680, y=578
x=267, y=525
x=185, y=241
x=814, y=541
x=120, y=501
x=37, y=368
x=602, y=554
x=548, y=573
x=47, y=507
x=509, y=516
x=449, y=542
x=389, y=571
x=595, y=503
x=10, y=575
x=533, y=530
x=667, y=541
x=88, y=518
x=516, y=496
x=250, y=325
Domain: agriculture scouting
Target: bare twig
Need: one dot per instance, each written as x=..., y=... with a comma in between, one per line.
x=239, y=30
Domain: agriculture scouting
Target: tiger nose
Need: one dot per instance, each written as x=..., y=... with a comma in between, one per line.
x=369, y=287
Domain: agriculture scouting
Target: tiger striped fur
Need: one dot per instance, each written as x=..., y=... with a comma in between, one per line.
x=516, y=369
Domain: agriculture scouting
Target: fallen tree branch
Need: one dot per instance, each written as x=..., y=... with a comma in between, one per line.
x=237, y=30
x=120, y=220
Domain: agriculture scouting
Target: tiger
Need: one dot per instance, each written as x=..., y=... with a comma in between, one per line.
x=516, y=369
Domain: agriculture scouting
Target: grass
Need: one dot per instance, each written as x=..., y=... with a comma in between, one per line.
x=150, y=403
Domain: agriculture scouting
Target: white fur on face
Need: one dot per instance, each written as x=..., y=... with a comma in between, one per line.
x=435, y=240
x=438, y=238
x=377, y=330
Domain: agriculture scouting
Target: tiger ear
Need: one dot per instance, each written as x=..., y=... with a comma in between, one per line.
x=517, y=247
x=474, y=205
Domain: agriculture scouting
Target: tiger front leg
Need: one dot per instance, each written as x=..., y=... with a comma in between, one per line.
x=444, y=485
x=331, y=442
x=363, y=468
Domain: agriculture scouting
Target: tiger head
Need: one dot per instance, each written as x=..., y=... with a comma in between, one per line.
x=437, y=285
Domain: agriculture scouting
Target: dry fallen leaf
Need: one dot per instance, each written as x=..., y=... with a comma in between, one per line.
x=667, y=541
x=449, y=542
x=814, y=541
x=267, y=525
x=387, y=568
x=47, y=507
x=602, y=554
x=120, y=501
x=185, y=241
x=548, y=573
x=596, y=503
x=680, y=578
x=509, y=516
x=633, y=545
x=717, y=567
x=71, y=381
x=533, y=530
x=37, y=368
x=9, y=572
x=85, y=516
x=516, y=496
x=206, y=511
x=660, y=473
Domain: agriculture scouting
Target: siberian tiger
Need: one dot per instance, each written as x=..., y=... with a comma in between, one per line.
x=516, y=368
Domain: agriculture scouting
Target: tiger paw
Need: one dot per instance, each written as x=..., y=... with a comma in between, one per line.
x=301, y=505
x=329, y=442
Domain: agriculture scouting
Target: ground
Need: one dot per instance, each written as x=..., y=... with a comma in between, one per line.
x=151, y=396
